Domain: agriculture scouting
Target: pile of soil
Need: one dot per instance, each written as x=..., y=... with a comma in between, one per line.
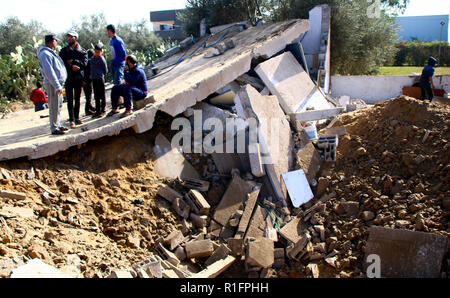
x=386, y=174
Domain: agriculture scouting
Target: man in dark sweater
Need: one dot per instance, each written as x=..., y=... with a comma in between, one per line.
x=75, y=59
x=135, y=87
x=426, y=79
x=98, y=70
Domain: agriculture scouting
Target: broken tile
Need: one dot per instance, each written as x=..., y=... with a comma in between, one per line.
x=298, y=188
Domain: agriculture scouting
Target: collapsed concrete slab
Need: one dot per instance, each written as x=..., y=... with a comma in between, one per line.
x=318, y=114
x=186, y=78
x=274, y=133
x=406, y=254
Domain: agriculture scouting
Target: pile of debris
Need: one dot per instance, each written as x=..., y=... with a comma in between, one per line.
x=288, y=200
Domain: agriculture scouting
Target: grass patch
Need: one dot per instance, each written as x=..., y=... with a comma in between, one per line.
x=407, y=70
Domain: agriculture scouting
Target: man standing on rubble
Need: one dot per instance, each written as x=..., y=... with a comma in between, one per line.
x=76, y=60
x=135, y=87
x=426, y=79
x=55, y=74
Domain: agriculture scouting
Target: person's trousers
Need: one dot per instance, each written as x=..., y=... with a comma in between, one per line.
x=73, y=93
x=129, y=94
x=39, y=107
x=99, y=95
x=88, y=95
x=54, y=104
x=427, y=90
x=117, y=72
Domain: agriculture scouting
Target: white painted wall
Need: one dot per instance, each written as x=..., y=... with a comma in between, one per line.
x=374, y=88
x=311, y=42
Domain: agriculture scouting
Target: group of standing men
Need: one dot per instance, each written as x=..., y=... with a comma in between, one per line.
x=75, y=68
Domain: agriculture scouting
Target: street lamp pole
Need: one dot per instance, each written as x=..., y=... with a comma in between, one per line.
x=440, y=41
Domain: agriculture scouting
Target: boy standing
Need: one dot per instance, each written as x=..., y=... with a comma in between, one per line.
x=98, y=69
x=87, y=87
x=37, y=96
x=118, y=55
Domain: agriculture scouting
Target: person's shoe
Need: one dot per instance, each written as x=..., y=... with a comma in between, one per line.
x=112, y=113
x=127, y=113
x=78, y=122
x=96, y=116
x=62, y=128
x=89, y=113
x=72, y=125
x=102, y=114
x=58, y=132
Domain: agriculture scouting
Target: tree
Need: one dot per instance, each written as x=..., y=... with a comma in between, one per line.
x=15, y=33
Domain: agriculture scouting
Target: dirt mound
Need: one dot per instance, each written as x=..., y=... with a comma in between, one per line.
x=392, y=170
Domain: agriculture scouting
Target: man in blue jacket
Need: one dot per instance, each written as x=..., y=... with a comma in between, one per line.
x=426, y=79
x=118, y=55
x=135, y=87
x=55, y=74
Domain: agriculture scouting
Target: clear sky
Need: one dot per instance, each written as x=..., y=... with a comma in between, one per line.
x=58, y=15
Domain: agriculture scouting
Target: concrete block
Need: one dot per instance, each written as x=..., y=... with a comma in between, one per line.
x=170, y=163
x=220, y=253
x=407, y=254
x=274, y=134
x=140, y=104
x=12, y=195
x=260, y=253
x=198, y=221
x=196, y=184
x=286, y=79
x=199, y=249
x=181, y=208
x=197, y=202
x=233, y=198
x=216, y=268
x=170, y=256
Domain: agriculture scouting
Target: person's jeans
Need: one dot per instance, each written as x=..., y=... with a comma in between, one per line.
x=73, y=86
x=99, y=94
x=117, y=72
x=88, y=95
x=39, y=107
x=428, y=89
x=129, y=94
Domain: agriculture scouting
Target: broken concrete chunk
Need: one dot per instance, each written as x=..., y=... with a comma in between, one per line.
x=298, y=247
x=220, y=253
x=199, y=249
x=235, y=195
x=236, y=245
x=308, y=159
x=298, y=188
x=256, y=83
x=12, y=195
x=180, y=253
x=169, y=194
x=5, y=174
x=174, y=239
x=199, y=221
x=153, y=269
x=37, y=269
x=170, y=162
x=294, y=230
x=170, y=256
x=256, y=163
x=274, y=134
x=216, y=268
x=313, y=269
x=257, y=226
x=406, y=254
x=286, y=79
x=318, y=114
x=260, y=252
x=140, y=104
x=340, y=131
x=181, y=208
x=197, y=202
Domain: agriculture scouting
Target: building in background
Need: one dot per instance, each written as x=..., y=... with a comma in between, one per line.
x=423, y=28
x=166, y=24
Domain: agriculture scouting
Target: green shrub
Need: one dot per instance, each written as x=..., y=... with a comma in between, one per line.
x=416, y=53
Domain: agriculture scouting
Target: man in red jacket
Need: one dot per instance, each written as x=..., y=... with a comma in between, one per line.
x=37, y=96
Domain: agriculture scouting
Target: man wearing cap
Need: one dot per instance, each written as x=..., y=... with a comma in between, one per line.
x=76, y=60
x=55, y=74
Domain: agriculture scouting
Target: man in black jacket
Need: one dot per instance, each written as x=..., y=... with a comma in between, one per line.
x=75, y=59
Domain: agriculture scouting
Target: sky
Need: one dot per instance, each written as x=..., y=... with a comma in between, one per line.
x=58, y=16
